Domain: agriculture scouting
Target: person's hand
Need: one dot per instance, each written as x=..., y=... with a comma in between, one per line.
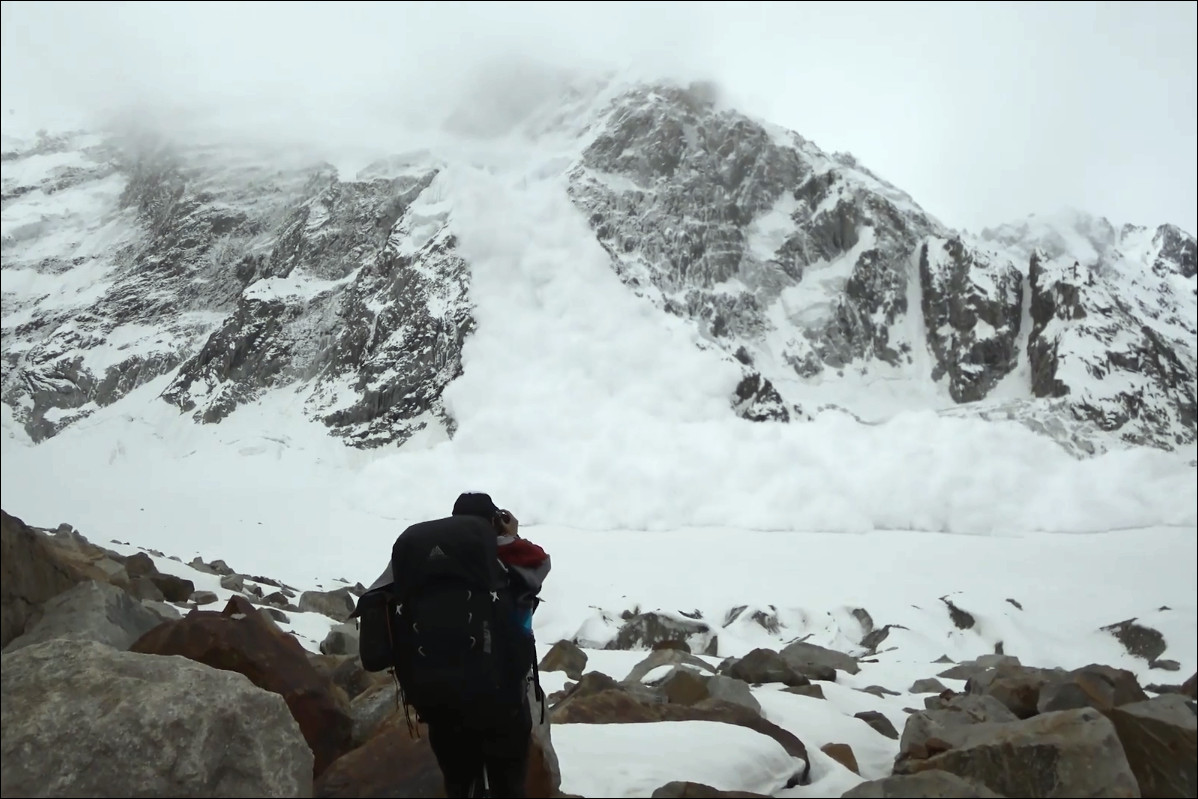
x=507, y=523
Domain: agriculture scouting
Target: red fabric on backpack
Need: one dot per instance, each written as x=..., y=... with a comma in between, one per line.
x=522, y=553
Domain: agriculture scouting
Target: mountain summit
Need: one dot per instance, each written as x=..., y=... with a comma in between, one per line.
x=797, y=281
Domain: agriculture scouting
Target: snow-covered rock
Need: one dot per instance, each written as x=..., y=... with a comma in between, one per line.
x=233, y=272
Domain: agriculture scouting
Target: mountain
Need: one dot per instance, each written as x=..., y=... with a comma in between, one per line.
x=234, y=272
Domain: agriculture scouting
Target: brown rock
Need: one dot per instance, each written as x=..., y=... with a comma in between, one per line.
x=1100, y=687
x=353, y=679
x=948, y=721
x=1160, y=738
x=1064, y=754
x=842, y=754
x=684, y=687
x=1019, y=692
x=565, y=656
x=926, y=784
x=240, y=639
x=674, y=643
x=666, y=657
x=766, y=666
x=391, y=763
x=144, y=588
x=139, y=564
x=814, y=690
x=32, y=570
x=1190, y=686
x=879, y=722
x=173, y=588
x=1139, y=641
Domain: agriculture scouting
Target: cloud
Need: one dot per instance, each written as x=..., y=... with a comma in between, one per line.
x=983, y=112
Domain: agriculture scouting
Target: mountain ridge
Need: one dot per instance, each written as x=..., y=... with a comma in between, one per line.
x=792, y=266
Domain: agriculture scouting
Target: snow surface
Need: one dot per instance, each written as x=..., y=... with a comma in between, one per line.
x=639, y=758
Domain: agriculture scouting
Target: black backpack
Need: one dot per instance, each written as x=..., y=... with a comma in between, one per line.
x=448, y=623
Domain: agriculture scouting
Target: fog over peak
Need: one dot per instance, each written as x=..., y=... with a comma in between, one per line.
x=982, y=113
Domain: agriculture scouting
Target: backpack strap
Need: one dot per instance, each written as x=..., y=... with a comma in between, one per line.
x=538, y=691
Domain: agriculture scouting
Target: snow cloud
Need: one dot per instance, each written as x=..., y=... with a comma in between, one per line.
x=984, y=112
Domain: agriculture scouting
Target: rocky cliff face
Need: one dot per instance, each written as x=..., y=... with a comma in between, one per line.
x=229, y=273
x=233, y=278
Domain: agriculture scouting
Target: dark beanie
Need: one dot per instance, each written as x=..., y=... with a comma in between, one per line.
x=475, y=504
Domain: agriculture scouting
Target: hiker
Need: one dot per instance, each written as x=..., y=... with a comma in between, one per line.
x=462, y=750
x=456, y=606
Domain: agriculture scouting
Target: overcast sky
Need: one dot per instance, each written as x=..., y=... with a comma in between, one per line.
x=983, y=112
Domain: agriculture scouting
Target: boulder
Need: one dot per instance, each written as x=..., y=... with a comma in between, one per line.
x=1139, y=640
x=139, y=564
x=766, y=666
x=275, y=615
x=347, y=673
x=1019, y=692
x=666, y=657
x=393, y=762
x=971, y=668
x=173, y=587
x=90, y=611
x=929, y=685
x=1190, y=687
x=730, y=689
x=947, y=722
x=31, y=572
x=341, y=640
x=336, y=604
x=371, y=708
x=204, y=597
x=924, y=785
x=1063, y=754
x=879, y=722
x=1101, y=687
x=1160, y=739
x=233, y=582
x=646, y=630
x=815, y=691
x=83, y=719
x=684, y=687
x=163, y=610
x=565, y=656
x=144, y=588
x=803, y=655
x=842, y=754
x=242, y=640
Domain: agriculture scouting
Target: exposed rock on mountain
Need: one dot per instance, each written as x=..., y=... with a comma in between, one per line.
x=972, y=306
x=230, y=273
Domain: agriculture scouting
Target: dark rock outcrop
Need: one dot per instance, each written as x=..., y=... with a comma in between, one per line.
x=240, y=639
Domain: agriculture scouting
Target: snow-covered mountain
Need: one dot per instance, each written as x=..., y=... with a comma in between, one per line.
x=806, y=281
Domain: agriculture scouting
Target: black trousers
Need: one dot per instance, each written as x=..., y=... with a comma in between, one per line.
x=465, y=748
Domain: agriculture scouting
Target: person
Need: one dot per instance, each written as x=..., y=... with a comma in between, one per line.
x=491, y=757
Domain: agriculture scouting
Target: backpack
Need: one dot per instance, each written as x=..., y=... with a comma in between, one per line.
x=448, y=624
